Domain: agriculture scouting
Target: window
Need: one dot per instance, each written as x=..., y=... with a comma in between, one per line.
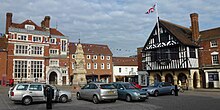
x=35, y=88
x=29, y=27
x=37, y=69
x=73, y=56
x=192, y=52
x=22, y=87
x=132, y=69
x=213, y=76
x=36, y=39
x=119, y=70
x=215, y=59
x=53, y=51
x=213, y=43
x=95, y=65
x=54, y=62
x=108, y=58
x=108, y=66
x=102, y=66
x=63, y=45
x=22, y=37
x=102, y=57
x=20, y=69
x=95, y=57
x=53, y=40
x=92, y=86
x=73, y=65
x=88, y=66
x=36, y=50
x=64, y=71
x=21, y=49
x=88, y=56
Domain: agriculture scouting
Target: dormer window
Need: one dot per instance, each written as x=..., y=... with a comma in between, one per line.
x=213, y=43
x=37, y=39
x=29, y=27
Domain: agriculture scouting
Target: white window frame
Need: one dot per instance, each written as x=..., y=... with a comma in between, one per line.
x=108, y=58
x=29, y=27
x=20, y=50
x=108, y=66
x=88, y=66
x=51, y=62
x=34, y=50
x=95, y=66
x=73, y=56
x=95, y=57
x=54, y=51
x=38, y=37
x=55, y=40
x=63, y=46
x=88, y=56
x=19, y=36
x=213, y=43
x=102, y=57
x=102, y=66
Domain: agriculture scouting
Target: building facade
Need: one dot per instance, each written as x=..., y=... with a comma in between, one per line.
x=3, y=60
x=209, y=57
x=125, y=69
x=98, y=62
x=36, y=53
x=171, y=53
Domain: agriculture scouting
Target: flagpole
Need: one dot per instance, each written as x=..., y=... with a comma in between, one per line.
x=158, y=27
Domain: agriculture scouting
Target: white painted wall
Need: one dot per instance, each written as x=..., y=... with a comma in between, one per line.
x=125, y=71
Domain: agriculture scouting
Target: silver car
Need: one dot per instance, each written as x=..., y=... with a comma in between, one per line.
x=33, y=92
x=98, y=92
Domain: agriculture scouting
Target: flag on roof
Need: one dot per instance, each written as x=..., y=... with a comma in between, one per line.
x=151, y=10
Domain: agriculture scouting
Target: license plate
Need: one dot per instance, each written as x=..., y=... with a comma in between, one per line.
x=143, y=96
x=110, y=92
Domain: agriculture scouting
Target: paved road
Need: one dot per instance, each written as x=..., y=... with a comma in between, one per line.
x=189, y=100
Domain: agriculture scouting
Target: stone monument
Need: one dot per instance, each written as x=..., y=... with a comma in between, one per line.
x=79, y=73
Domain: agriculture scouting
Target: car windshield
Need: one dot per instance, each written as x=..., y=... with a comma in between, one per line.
x=129, y=86
x=107, y=86
x=154, y=85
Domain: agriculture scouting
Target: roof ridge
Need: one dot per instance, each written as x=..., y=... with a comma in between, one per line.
x=210, y=29
x=175, y=24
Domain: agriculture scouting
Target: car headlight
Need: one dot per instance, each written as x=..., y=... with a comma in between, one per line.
x=136, y=93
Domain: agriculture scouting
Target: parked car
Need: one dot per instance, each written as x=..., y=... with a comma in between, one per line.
x=98, y=92
x=128, y=92
x=33, y=92
x=160, y=88
x=136, y=85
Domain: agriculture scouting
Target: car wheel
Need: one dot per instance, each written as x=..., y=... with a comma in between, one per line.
x=95, y=99
x=156, y=93
x=27, y=100
x=78, y=97
x=172, y=92
x=63, y=99
x=128, y=98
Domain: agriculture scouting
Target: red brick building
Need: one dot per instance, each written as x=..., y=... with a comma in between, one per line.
x=209, y=57
x=98, y=61
x=3, y=60
x=36, y=53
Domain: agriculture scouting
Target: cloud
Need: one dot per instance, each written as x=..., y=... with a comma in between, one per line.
x=117, y=23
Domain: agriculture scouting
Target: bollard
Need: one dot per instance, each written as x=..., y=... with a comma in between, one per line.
x=49, y=98
x=176, y=90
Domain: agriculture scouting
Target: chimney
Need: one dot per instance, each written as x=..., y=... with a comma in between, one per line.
x=194, y=26
x=46, y=22
x=8, y=21
x=42, y=23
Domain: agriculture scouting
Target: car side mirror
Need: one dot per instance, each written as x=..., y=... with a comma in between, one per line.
x=121, y=88
x=160, y=86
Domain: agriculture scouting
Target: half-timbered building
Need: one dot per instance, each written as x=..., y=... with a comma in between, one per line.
x=172, y=55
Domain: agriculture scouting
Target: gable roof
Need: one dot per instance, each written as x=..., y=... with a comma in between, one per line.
x=183, y=34
x=125, y=61
x=210, y=33
x=54, y=31
x=91, y=49
x=22, y=25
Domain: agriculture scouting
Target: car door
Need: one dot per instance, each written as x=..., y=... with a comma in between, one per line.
x=84, y=91
x=36, y=91
x=92, y=90
x=121, y=91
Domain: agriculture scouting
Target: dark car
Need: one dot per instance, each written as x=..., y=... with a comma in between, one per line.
x=160, y=88
x=128, y=92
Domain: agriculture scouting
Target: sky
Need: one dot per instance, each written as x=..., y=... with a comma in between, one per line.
x=120, y=24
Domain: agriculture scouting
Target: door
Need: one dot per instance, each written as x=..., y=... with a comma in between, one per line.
x=37, y=93
x=92, y=90
x=64, y=80
x=84, y=91
x=121, y=94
